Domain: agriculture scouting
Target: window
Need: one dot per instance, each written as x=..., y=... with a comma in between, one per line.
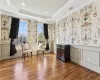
x=41, y=39
x=22, y=35
x=23, y=28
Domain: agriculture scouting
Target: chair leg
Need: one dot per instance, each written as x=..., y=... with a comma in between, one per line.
x=27, y=54
x=37, y=53
x=24, y=57
x=43, y=53
x=31, y=54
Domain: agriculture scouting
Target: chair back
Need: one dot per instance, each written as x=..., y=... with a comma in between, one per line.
x=25, y=46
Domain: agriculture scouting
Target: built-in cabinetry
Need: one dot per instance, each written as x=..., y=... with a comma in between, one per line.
x=63, y=52
x=5, y=51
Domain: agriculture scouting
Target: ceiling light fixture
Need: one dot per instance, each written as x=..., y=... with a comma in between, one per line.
x=46, y=12
x=23, y=4
x=70, y=8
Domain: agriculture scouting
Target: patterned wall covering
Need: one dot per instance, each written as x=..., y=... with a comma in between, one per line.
x=5, y=27
x=81, y=27
x=32, y=31
x=50, y=31
x=51, y=35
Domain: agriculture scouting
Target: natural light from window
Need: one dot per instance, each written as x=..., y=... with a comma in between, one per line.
x=23, y=28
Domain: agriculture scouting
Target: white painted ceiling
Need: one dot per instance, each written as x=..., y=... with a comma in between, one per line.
x=38, y=7
x=35, y=9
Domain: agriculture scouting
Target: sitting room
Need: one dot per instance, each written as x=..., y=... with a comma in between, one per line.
x=49, y=39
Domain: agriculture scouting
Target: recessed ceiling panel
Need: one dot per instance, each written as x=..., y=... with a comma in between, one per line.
x=40, y=6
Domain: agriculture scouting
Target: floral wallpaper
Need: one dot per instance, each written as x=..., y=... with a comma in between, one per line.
x=32, y=31
x=51, y=35
x=5, y=27
x=81, y=27
x=50, y=32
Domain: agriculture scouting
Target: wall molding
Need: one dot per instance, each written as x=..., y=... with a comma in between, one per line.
x=87, y=65
x=93, y=53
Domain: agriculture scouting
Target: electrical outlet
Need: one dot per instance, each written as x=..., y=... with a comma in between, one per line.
x=88, y=59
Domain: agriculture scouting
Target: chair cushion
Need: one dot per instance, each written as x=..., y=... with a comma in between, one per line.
x=40, y=50
x=27, y=51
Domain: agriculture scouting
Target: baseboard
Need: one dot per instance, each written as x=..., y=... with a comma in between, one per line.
x=9, y=57
x=86, y=64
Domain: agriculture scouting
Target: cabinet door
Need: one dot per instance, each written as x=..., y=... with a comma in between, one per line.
x=62, y=53
x=58, y=52
x=5, y=50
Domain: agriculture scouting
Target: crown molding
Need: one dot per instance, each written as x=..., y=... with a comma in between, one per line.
x=64, y=11
x=33, y=14
x=61, y=13
x=26, y=17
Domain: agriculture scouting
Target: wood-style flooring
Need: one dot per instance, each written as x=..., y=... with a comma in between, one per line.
x=47, y=68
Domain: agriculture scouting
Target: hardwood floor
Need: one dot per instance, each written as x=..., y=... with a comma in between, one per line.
x=48, y=68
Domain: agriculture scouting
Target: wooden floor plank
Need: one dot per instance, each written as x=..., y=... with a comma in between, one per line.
x=47, y=68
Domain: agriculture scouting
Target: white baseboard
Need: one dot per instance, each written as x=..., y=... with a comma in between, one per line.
x=86, y=64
